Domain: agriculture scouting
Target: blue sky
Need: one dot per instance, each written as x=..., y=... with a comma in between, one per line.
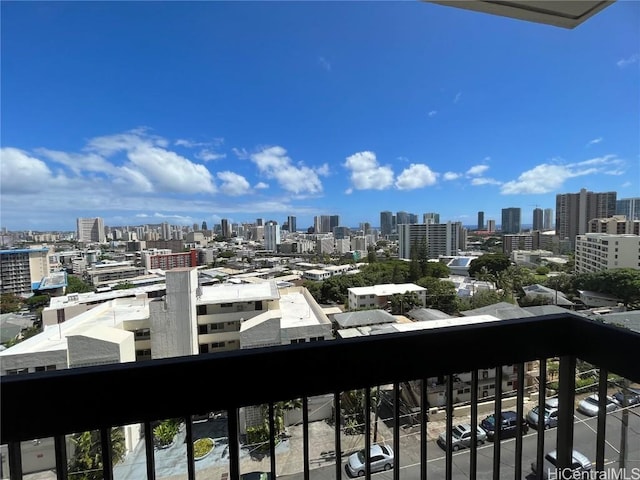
x=144, y=112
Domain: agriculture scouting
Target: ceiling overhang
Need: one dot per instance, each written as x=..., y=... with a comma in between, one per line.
x=559, y=13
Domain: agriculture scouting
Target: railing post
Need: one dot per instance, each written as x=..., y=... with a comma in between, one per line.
x=473, y=459
x=14, y=450
x=234, y=443
x=497, y=433
x=396, y=430
x=62, y=470
x=337, y=434
x=542, y=398
x=272, y=440
x=602, y=419
x=150, y=451
x=520, y=412
x=191, y=461
x=423, y=429
x=107, y=447
x=566, y=404
x=449, y=427
x=305, y=437
x=367, y=432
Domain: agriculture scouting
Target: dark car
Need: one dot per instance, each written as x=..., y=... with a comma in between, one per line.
x=509, y=424
x=633, y=397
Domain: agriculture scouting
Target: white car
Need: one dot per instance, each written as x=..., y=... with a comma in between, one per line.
x=579, y=464
x=381, y=458
x=589, y=405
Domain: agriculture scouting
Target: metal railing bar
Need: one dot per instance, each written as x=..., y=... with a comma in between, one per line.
x=602, y=419
x=497, y=437
x=305, y=437
x=566, y=401
x=337, y=434
x=473, y=458
x=396, y=430
x=149, y=451
x=449, y=427
x=520, y=412
x=60, y=452
x=423, y=429
x=106, y=446
x=234, y=443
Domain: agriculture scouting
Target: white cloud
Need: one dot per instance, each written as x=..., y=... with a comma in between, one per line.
x=207, y=155
x=451, y=176
x=595, y=141
x=416, y=176
x=477, y=170
x=233, y=184
x=22, y=173
x=457, y=97
x=625, y=62
x=241, y=153
x=548, y=178
x=274, y=163
x=433, y=113
x=366, y=173
x=261, y=186
x=484, y=181
x=79, y=162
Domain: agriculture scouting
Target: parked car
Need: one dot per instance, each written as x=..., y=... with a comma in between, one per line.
x=580, y=465
x=381, y=458
x=256, y=476
x=461, y=437
x=589, y=405
x=508, y=425
x=633, y=397
x=550, y=417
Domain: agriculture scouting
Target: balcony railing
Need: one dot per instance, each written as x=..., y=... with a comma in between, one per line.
x=58, y=403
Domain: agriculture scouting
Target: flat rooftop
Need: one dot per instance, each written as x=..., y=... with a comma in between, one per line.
x=245, y=292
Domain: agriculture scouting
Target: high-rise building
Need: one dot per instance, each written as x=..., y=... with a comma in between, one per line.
x=629, y=207
x=325, y=223
x=291, y=221
x=430, y=217
x=21, y=268
x=271, y=236
x=440, y=239
x=165, y=231
x=386, y=222
x=340, y=233
x=226, y=228
x=547, y=221
x=491, y=225
x=402, y=218
x=538, y=219
x=616, y=225
x=510, y=220
x=204, y=225
x=480, y=220
x=574, y=210
x=90, y=230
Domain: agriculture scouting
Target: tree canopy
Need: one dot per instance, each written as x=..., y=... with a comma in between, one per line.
x=489, y=263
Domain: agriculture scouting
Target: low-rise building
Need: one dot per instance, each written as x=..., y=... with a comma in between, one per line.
x=378, y=296
x=595, y=252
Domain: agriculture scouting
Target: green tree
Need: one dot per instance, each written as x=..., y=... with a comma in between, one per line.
x=401, y=303
x=37, y=302
x=436, y=270
x=441, y=294
x=492, y=262
x=124, y=286
x=87, y=463
x=623, y=283
x=76, y=285
x=10, y=302
x=481, y=298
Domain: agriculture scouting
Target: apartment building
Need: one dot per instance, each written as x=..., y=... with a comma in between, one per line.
x=110, y=273
x=518, y=242
x=629, y=207
x=378, y=296
x=616, y=225
x=511, y=220
x=575, y=210
x=190, y=319
x=21, y=269
x=90, y=230
x=595, y=252
x=440, y=239
x=165, y=260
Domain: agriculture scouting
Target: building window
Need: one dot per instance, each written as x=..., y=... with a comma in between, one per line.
x=226, y=305
x=217, y=345
x=61, y=315
x=298, y=340
x=201, y=309
x=202, y=330
x=316, y=339
x=204, y=348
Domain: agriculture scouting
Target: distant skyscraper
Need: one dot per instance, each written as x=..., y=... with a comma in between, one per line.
x=538, y=216
x=291, y=220
x=510, y=220
x=204, y=225
x=491, y=225
x=271, y=236
x=402, y=218
x=548, y=219
x=629, y=207
x=574, y=210
x=386, y=223
x=226, y=228
x=431, y=218
x=90, y=230
x=259, y=222
x=165, y=231
x=480, y=220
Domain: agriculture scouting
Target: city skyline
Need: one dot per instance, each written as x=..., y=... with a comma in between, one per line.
x=198, y=112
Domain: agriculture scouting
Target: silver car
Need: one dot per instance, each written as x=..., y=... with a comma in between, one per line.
x=579, y=464
x=380, y=458
x=550, y=417
x=461, y=437
x=589, y=405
